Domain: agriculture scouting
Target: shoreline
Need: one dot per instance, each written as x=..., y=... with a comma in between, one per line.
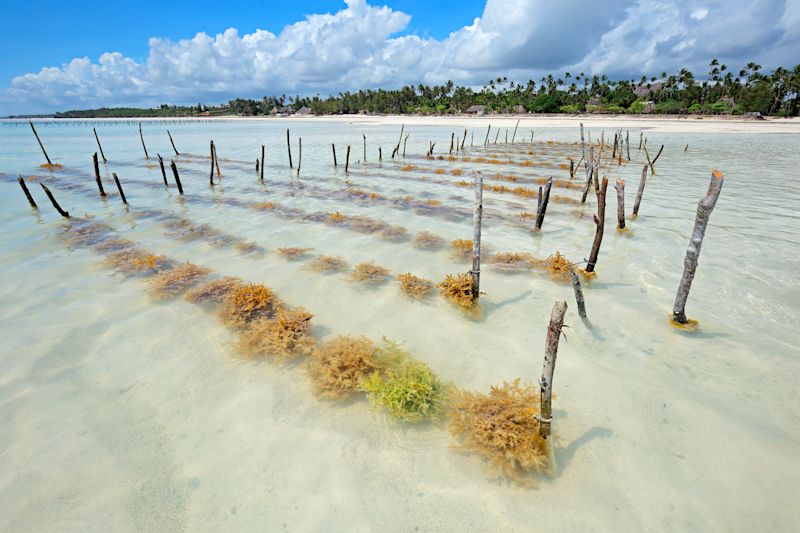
x=661, y=123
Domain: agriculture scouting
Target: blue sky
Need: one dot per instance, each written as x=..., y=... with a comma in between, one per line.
x=83, y=28
x=70, y=55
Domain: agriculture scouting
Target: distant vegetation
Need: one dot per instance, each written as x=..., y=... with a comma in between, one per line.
x=723, y=92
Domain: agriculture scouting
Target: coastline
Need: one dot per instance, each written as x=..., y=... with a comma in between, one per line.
x=659, y=123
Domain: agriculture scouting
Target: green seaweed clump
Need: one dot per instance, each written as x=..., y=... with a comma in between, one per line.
x=338, y=366
x=407, y=390
x=502, y=427
x=286, y=336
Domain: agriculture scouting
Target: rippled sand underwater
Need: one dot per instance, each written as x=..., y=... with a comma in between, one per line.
x=130, y=409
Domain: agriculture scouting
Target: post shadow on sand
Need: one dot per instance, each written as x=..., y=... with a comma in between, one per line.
x=565, y=455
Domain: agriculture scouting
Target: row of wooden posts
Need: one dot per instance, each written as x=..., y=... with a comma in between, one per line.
x=545, y=417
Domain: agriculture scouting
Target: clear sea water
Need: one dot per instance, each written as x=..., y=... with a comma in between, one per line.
x=121, y=413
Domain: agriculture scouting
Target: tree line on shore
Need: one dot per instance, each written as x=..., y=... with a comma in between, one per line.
x=723, y=92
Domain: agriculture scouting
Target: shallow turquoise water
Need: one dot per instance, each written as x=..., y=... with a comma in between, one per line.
x=125, y=413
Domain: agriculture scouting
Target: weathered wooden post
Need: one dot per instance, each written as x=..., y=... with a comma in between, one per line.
x=261, y=169
x=163, y=172
x=546, y=382
x=514, y=136
x=97, y=174
x=477, y=215
x=365, y=147
x=119, y=188
x=543, y=207
x=583, y=150
x=299, y=154
x=172, y=143
x=216, y=161
x=380, y=154
x=347, y=160
x=49, y=163
x=496, y=135
x=620, y=188
x=333, y=147
x=641, y=135
x=397, y=148
x=639, y=192
x=464, y=139
x=576, y=285
x=653, y=162
x=704, y=209
x=289, y=148
x=486, y=140
x=141, y=136
x=61, y=212
x=628, y=143
x=27, y=192
x=571, y=168
x=600, y=222
x=99, y=145
x=452, y=140
x=405, y=140
x=211, y=171
x=589, y=171
x=177, y=178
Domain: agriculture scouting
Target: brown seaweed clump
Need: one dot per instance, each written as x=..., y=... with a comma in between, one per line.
x=215, y=291
x=511, y=260
x=286, y=336
x=265, y=205
x=461, y=247
x=395, y=233
x=113, y=245
x=458, y=289
x=336, y=218
x=90, y=234
x=369, y=273
x=366, y=224
x=135, y=261
x=339, y=365
x=293, y=252
x=425, y=240
x=328, y=263
x=502, y=427
x=249, y=302
x=249, y=247
x=415, y=287
x=556, y=264
x=169, y=283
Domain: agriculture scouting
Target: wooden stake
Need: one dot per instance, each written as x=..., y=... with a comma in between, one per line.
x=172, y=143
x=261, y=169
x=289, y=148
x=380, y=154
x=119, y=188
x=141, y=136
x=27, y=192
x=464, y=139
x=589, y=170
x=40, y=144
x=211, y=171
x=61, y=212
x=576, y=284
x=506, y=136
x=452, y=140
x=405, y=140
x=620, y=188
x=486, y=140
x=365, y=147
x=397, y=148
x=496, y=135
x=477, y=215
x=583, y=150
x=600, y=222
x=550, y=352
x=686, y=148
x=177, y=178
x=653, y=163
x=543, y=206
x=641, y=134
x=99, y=145
x=333, y=147
x=216, y=160
x=163, y=172
x=97, y=174
x=571, y=168
x=347, y=160
x=704, y=209
x=628, y=143
x=515, y=131
x=639, y=192
x=300, y=154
